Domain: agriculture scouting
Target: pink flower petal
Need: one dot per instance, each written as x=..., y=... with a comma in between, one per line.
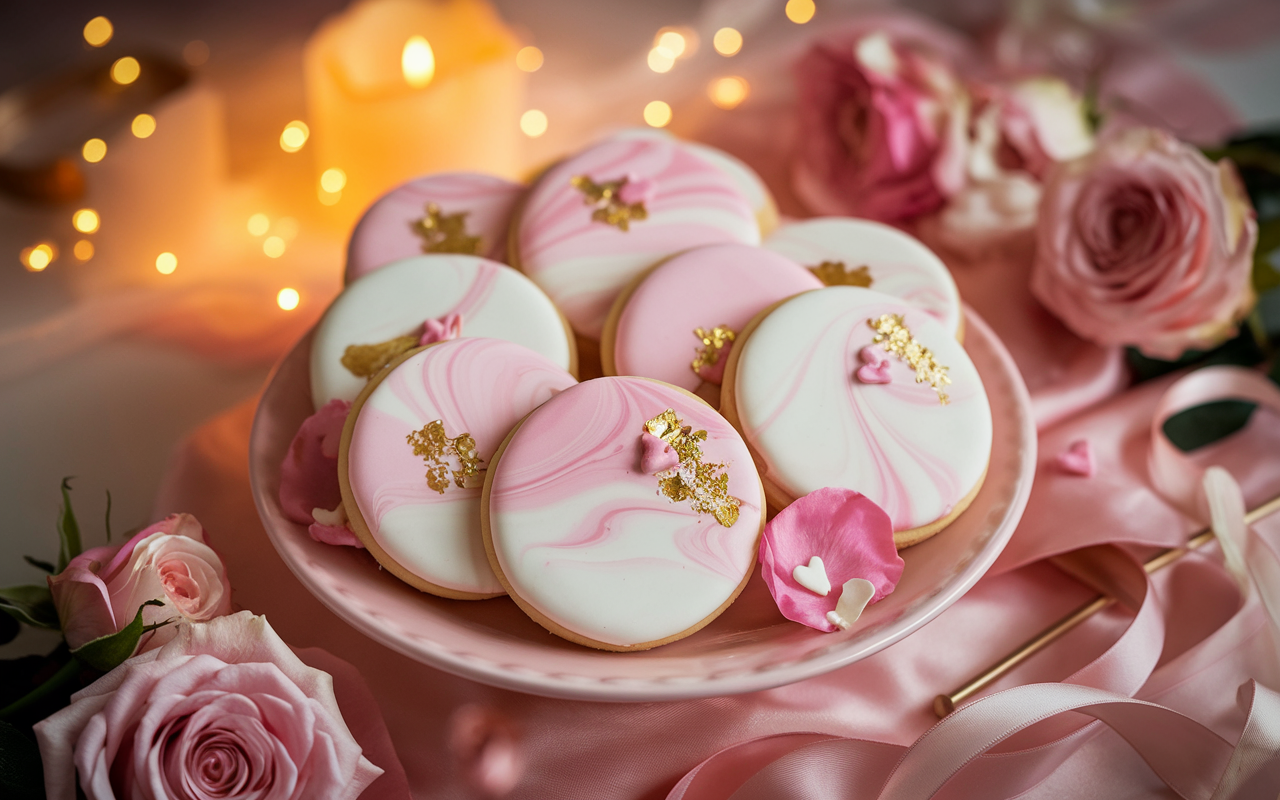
x=852, y=535
x=309, y=474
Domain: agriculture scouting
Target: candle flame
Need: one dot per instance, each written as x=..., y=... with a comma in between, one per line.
x=418, y=62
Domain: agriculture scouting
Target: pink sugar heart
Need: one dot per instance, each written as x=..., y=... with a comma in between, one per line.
x=1078, y=459
x=636, y=190
x=440, y=330
x=874, y=373
x=657, y=456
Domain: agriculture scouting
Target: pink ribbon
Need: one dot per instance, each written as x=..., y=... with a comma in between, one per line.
x=1005, y=744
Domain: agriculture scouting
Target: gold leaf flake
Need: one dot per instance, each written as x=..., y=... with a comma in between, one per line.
x=893, y=336
x=439, y=452
x=713, y=341
x=704, y=486
x=445, y=233
x=367, y=360
x=609, y=207
x=835, y=273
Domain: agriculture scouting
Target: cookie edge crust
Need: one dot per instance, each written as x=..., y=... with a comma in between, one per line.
x=486, y=528
x=357, y=521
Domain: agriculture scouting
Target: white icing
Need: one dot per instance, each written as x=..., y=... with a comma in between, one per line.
x=333, y=518
x=813, y=576
x=900, y=265
x=456, y=560
x=495, y=301
x=814, y=424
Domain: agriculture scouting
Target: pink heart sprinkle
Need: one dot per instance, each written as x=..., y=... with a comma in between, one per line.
x=441, y=330
x=637, y=190
x=875, y=368
x=1078, y=459
x=657, y=455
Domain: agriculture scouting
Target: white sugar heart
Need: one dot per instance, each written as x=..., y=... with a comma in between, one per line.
x=813, y=577
x=855, y=595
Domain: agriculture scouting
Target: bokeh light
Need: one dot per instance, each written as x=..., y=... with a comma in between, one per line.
x=259, y=224
x=529, y=59
x=294, y=136
x=98, y=31
x=288, y=298
x=800, y=11
x=727, y=41
x=273, y=246
x=36, y=258
x=86, y=220
x=166, y=263
x=83, y=250
x=533, y=123
x=143, y=125
x=333, y=180
x=657, y=114
x=125, y=70
x=728, y=92
x=94, y=150
x=417, y=62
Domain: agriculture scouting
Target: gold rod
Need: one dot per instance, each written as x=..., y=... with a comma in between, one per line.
x=944, y=704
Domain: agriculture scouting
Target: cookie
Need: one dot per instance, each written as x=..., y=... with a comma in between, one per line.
x=749, y=182
x=859, y=252
x=851, y=388
x=424, y=299
x=594, y=221
x=622, y=514
x=451, y=212
x=678, y=321
x=415, y=448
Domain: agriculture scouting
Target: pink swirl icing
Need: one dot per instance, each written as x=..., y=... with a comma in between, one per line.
x=583, y=263
x=570, y=505
x=385, y=232
x=478, y=386
x=724, y=284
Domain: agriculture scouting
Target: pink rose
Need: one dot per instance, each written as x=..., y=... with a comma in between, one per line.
x=1146, y=242
x=101, y=589
x=225, y=709
x=882, y=127
x=309, y=490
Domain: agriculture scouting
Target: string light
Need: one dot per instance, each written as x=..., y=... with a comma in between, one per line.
x=125, y=70
x=672, y=40
x=800, y=11
x=143, y=125
x=98, y=31
x=166, y=263
x=657, y=114
x=288, y=298
x=83, y=250
x=259, y=224
x=328, y=198
x=728, y=92
x=333, y=180
x=294, y=136
x=195, y=53
x=529, y=59
x=85, y=220
x=727, y=42
x=36, y=258
x=273, y=246
x=533, y=123
x=94, y=150
x=661, y=59
x=417, y=62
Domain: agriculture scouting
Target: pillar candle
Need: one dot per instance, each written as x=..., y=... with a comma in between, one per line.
x=370, y=121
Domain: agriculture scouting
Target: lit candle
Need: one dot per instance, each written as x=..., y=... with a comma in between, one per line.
x=402, y=88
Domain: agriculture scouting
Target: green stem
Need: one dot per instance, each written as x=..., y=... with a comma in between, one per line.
x=60, y=680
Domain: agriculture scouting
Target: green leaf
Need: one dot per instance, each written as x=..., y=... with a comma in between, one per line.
x=1205, y=424
x=21, y=772
x=68, y=529
x=108, y=652
x=40, y=565
x=30, y=604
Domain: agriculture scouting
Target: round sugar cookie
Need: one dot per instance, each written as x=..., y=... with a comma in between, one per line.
x=581, y=528
x=821, y=403
x=450, y=212
x=594, y=221
x=747, y=179
x=859, y=252
x=678, y=321
x=414, y=450
x=393, y=309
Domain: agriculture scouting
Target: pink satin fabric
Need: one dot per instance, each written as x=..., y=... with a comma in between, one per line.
x=1184, y=639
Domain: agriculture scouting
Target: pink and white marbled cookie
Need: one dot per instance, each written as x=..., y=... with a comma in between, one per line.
x=410, y=476
x=860, y=252
x=676, y=323
x=597, y=219
x=380, y=315
x=581, y=528
x=823, y=403
x=451, y=212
